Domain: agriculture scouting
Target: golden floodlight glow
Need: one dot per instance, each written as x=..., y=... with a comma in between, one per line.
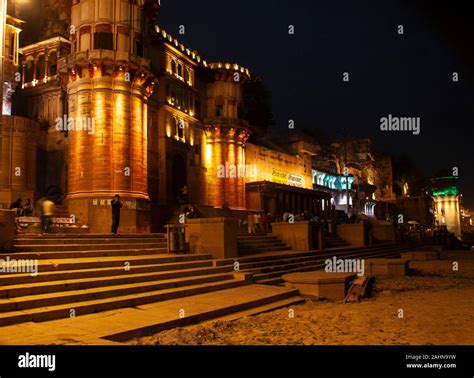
x=208, y=155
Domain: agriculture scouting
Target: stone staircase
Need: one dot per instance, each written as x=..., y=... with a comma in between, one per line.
x=85, y=274
x=269, y=268
x=334, y=241
x=259, y=243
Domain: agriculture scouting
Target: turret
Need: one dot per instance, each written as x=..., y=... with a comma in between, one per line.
x=226, y=135
x=109, y=85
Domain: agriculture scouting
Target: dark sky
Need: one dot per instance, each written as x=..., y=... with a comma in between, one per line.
x=403, y=75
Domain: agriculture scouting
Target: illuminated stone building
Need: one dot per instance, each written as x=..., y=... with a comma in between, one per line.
x=114, y=104
x=107, y=102
x=446, y=197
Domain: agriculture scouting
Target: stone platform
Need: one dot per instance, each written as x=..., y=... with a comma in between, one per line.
x=386, y=267
x=320, y=284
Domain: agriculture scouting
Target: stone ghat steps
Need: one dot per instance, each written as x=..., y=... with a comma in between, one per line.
x=87, y=247
x=25, y=302
x=66, y=283
x=83, y=254
x=252, y=244
x=52, y=272
x=126, y=298
x=275, y=277
x=108, y=262
x=75, y=240
x=317, y=253
x=303, y=261
x=269, y=269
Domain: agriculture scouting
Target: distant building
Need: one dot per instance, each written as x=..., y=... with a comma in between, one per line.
x=446, y=196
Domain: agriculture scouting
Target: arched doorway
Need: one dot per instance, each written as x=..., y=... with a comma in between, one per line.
x=179, y=176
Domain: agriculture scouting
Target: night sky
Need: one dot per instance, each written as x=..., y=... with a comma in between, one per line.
x=406, y=75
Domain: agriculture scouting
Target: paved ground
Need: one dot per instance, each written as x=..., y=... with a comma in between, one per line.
x=90, y=329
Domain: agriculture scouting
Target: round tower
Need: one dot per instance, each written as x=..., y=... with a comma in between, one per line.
x=109, y=85
x=226, y=135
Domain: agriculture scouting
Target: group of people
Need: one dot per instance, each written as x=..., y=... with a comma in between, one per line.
x=22, y=209
x=258, y=222
x=44, y=209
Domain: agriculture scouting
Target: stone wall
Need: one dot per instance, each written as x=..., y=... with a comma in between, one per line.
x=18, y=150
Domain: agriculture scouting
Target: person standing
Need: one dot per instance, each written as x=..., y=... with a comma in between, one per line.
x=251, y=223
x=116, y=206
x=46, y=215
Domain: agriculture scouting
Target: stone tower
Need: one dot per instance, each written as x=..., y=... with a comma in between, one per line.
x=109, y=86
x=226, y=135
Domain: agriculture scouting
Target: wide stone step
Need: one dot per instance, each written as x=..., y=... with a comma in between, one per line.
x=53, y=275
x=37, y=288
x=83, y=254
x=74, y=296
x=85, y=247
x=295, y=263
x=272, y=276
x=86, y=307
x=319, y=253
x=103, y=262
x=74, y=240
x=231, y=304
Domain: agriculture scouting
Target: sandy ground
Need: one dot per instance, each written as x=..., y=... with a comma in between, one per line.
x=437, y=305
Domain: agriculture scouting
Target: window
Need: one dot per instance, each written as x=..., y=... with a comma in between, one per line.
x=103, y=40
x=180, y=70
x=219, y=110
x=186, y=75
x=173, y=67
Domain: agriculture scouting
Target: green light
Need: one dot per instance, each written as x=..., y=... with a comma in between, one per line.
x=450, y=191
